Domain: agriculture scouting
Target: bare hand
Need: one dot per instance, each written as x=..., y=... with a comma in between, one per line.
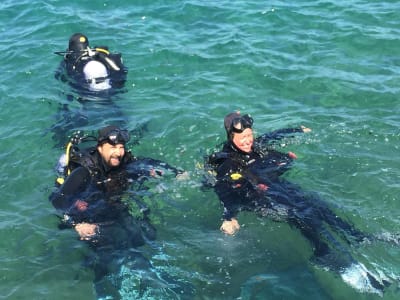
x=86, y=230
x=262, y=187
x=183, y=176
x=305, y=129
x=81, y=205
x=230, y=227
x=156, y=173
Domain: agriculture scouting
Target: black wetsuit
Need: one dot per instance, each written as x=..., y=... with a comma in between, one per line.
x=118, y=232
x=253, y=182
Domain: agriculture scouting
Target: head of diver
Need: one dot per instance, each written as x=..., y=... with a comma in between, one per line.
x=78, y=46
x=78, y=42
x=239, y=131
x=111, y=145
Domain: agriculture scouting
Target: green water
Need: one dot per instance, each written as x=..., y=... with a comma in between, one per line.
x=332, y=66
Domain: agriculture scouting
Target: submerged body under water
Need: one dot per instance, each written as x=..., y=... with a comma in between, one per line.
x=110, y=200
x=86, y=113
x=253, y=181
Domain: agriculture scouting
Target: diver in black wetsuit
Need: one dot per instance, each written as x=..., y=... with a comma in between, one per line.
x=248, y=177
x=96, y=76
x=91, y=69
x=91, y=201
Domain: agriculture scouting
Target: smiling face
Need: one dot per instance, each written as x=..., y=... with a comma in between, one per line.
x=111, y=154
x=244, y=140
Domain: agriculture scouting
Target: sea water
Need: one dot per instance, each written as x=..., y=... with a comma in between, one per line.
x=332, y=66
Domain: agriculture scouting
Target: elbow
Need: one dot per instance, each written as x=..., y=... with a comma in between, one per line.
x=58, y=201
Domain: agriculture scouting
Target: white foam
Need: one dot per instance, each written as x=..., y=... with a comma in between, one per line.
x=357, y=276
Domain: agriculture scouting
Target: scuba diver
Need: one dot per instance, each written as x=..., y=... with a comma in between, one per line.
x=246, y=175
x=94, y=198
x=95, y=77
x=92, y=69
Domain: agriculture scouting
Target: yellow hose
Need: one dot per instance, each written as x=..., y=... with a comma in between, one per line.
x=67, y=158
x=102, y=50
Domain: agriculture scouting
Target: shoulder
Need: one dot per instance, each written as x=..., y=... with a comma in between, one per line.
x=223, y=161
x=87, y=157
x=218, y=157
x=80, y=172
x=128, y=158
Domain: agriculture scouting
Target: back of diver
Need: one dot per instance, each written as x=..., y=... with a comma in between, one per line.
x=91, y=70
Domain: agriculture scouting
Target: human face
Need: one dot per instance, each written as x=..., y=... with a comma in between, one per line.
x=244, y=141
x=112, y=154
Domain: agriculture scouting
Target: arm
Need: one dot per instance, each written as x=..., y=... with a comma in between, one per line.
x=64, y=198
x=227, y=197
x=114, y=63
x=59, y=74
x=149, y=167
x=232, y=186
x=281, y=133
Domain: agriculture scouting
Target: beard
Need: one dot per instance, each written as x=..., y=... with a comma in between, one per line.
x=114, y=161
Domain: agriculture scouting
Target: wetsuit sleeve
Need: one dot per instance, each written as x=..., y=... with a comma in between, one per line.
x=117, y=58
x=149, y=167
x=231, y=187
x=113, y=61
x=278, y=135
x=228, y=200
x=76, y=182
x=59, y=74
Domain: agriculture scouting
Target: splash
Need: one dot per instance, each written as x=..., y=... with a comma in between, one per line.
x=363, y=280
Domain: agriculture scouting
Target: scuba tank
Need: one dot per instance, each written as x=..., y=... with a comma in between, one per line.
x=93, y=68
x=96, y=68
x=96, y=76
x=70, y=159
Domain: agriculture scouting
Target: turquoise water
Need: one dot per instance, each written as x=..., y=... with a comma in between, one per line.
x=332, y=66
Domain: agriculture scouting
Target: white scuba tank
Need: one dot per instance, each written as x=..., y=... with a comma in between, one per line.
x=61, y=164
x=96, y=75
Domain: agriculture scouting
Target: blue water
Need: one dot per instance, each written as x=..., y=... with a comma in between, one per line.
x=332, y=66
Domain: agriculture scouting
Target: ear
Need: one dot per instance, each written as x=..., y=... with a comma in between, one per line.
x=100, y=149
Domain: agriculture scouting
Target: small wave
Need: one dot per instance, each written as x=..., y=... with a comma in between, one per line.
x=389, y=237
x=363, y=280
